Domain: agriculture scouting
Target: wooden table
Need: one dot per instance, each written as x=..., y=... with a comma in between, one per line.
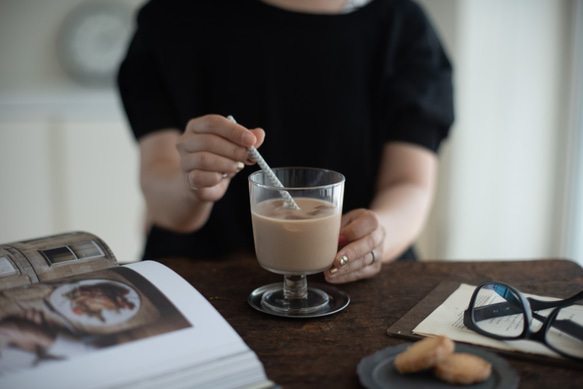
x=324, y=352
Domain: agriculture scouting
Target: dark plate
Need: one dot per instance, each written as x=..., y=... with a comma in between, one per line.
x=377, y=371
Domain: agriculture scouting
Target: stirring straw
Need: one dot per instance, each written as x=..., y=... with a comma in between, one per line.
x=270, y=174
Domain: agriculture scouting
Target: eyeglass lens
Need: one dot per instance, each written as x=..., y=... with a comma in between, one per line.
x=566, y=331
x=498, y=311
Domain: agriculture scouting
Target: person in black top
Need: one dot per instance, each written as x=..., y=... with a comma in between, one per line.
x=364, y=90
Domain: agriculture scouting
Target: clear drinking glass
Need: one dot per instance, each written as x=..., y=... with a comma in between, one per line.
x=297, y=242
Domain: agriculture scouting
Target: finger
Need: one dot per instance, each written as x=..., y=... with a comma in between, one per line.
x=223, y=127
x=362, y=234
x=358, y=254
x=349, y=217
x=358, y=223
x=207, y=161
x=260, y=135
x=355, y=271
x=214, y=144
x=199, y=179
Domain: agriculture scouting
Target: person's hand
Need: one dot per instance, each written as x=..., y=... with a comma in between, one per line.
x=212, y=150
x=361, y=247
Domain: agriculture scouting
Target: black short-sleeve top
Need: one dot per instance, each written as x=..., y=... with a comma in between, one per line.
x=329, y=91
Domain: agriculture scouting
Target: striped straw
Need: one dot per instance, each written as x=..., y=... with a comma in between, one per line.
x=270, y=174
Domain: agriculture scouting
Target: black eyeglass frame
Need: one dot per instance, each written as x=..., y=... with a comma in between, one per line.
x=528, y=308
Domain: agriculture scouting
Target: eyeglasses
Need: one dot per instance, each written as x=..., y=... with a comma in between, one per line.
x=501, y=312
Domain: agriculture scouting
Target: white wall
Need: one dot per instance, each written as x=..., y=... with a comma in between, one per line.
x=574, y=203
x=503, y=172
x=62, y=170
x=29, y=31
x=67, y=160
x=504, y=168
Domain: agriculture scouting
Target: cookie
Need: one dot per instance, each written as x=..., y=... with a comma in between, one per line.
x=424, y=354
x=462, y=369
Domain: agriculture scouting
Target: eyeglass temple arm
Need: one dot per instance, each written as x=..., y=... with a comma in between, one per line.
x=506, y=308
x=496, y=310
x=567, y=326
x=537, y=305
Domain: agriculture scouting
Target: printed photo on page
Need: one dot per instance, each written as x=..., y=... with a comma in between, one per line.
x=53, y=322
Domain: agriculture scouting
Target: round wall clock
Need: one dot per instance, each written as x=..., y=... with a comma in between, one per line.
x=93, y=40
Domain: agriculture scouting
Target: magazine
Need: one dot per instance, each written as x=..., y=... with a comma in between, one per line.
x=72, y=317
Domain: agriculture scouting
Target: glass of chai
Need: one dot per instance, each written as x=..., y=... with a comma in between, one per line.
x=297, y=242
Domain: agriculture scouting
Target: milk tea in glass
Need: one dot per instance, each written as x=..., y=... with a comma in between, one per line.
x=297, y=242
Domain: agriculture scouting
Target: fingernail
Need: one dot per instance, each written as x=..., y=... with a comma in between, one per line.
x=333, y=270
x=341, y=240
x=240, y=166
x=343, y=260
x=248, y=139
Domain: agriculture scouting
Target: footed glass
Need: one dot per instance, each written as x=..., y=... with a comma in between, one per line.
x=296, y=241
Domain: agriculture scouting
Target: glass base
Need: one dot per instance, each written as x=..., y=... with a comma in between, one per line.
x=321, y=300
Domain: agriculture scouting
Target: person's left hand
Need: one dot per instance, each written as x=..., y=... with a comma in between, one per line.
x=361, y=247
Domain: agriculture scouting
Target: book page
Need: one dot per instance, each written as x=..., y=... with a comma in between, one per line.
x=122, y=326
x=447, y=320
x=52, y=257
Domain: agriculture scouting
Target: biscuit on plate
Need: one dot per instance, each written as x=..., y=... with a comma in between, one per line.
x=462, y=369
x=424, y=354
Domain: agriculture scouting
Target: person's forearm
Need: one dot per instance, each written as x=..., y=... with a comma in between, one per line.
x=402, y=210
x=170, y=203
x=405, y=189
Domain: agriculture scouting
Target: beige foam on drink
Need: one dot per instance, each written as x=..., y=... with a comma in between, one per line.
x=296, y=241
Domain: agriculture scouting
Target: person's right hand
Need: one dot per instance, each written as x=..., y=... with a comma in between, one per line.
x=212, y=150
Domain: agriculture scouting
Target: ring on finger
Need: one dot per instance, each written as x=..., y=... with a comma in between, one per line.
x=374, y=258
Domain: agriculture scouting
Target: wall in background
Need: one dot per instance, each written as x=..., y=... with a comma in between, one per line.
x=505, y=169
x=67, y=160
x=62, y=171
x=573, y=205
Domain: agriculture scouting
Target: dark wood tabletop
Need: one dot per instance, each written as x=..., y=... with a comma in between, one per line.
x=324, y=352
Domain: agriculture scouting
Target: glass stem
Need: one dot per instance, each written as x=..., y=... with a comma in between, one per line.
x=295, y=287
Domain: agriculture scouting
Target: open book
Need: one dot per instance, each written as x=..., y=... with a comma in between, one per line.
x=441, y=313
x=72, y=317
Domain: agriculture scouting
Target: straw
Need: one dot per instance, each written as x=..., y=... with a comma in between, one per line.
x=270, y=174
